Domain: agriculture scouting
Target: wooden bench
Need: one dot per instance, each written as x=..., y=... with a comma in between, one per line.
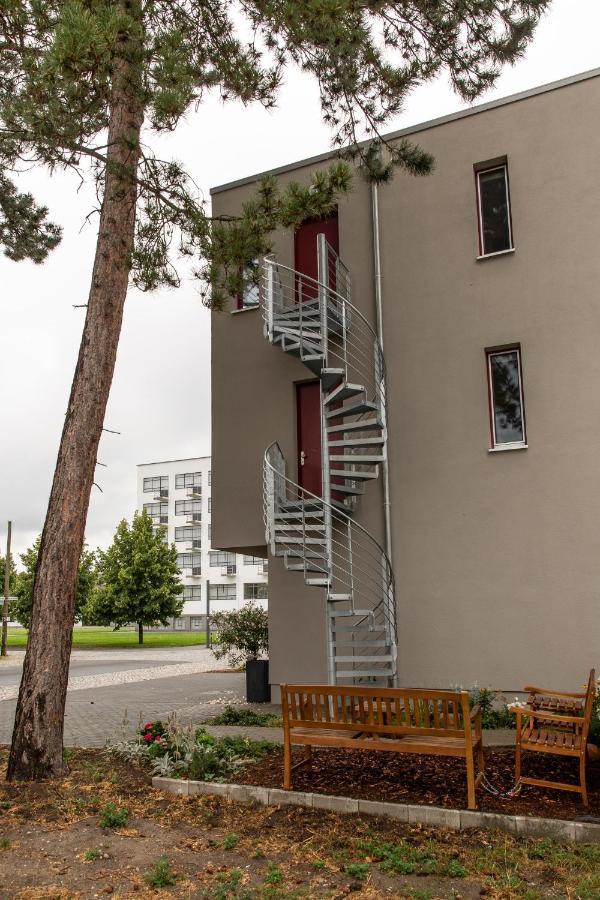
x=558, y=723
x=398, y=720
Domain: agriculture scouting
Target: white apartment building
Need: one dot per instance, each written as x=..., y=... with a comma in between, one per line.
x=176, y=494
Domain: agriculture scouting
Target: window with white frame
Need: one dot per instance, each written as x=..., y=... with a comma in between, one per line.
x=221, y=558
x=493, y=210
x=196, y=623
x=221, y=591
x=255, y=592
x=253, y=560
x=249, y=296
x=505, y=383
x=179, y=624
x=156, y=483
x=210, y=504
x=188, y=480
x=192, y=592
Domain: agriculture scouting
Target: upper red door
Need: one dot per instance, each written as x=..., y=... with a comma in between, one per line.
x=305, y=252
x=308, y=405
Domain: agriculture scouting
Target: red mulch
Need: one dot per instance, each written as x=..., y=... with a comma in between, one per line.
x=432, y=780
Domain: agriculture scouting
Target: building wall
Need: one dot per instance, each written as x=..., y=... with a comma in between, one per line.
x=194, y=611
x=496, y=554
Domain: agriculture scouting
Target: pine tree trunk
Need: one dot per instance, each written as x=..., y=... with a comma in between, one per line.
x=140, y=633
x=37, y=744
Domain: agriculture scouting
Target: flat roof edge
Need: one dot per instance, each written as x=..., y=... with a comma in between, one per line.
x=421, y=126
x=161, y=462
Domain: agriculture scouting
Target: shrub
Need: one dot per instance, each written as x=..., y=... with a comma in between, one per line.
x=92, y=854
x=243, y=634
x=161, y=875
x=111, y=817
x=247, y=717
x=494, y=710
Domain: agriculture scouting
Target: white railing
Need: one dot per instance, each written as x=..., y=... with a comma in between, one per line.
x=358, y=574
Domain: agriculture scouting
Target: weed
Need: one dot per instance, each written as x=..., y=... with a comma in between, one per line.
x=258, y=854
x=417, y=893
x=454, y=869
x=161, y=875
x=357, y=870
x=92, y=854
x=274, y=874
x=67, y=754
x=4, y=844
x=318, y=864
x=231, y=841
x=111, y=817
x=588, y=888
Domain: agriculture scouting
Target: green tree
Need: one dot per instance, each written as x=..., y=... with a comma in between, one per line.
x=86, y=580
x=138, y=578
x=84, y=85
x=243, y=633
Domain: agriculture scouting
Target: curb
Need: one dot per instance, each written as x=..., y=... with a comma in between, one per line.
x=455, y=819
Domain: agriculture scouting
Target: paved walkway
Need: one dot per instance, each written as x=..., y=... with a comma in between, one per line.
x=111, y=691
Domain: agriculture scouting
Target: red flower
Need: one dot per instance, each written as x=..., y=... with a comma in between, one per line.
x=147, y=726
x=147, y=737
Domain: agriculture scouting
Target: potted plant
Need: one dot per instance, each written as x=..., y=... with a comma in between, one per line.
x=243, y=636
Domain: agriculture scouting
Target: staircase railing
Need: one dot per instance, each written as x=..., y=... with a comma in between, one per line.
x=344, y=558
x=328, y=327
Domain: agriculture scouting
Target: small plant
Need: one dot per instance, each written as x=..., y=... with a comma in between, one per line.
x=454, y=869
x=161, y=875
x=247, y=717
x=4, y=844
x=243, y=634
x=318, y=864
x=92, y=854
x=274, y=874
x=111, y=817
x=357, y=870
x=231, y=841
x=494, y=710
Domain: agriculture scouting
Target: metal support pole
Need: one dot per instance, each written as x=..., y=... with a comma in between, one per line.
x=208, y=636
x=323, y=276
x=3, y=649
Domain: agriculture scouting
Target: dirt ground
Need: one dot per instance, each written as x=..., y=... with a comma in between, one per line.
x=433, y=780
x=53, y=846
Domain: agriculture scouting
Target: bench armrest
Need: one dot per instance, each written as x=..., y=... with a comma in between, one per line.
x=530, y=689
x=476, y=711
x=542, y=714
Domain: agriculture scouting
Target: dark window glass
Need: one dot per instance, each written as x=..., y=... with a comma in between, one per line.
x=494, y=211
x=255, y=592
x=506, y=397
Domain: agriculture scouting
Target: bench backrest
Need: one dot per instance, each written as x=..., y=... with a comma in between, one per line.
x=390, y=711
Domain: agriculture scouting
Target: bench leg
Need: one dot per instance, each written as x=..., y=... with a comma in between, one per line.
x=518, y=759
x=582, y=781
x=287, y=766
x=480, y=758
x=471, y=780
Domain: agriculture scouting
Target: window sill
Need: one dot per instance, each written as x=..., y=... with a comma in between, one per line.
x=245, y=309
x=502, y=448
x=492, y=255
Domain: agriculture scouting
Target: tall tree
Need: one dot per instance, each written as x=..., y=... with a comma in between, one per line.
x=139, y=580
x=86, y=580
x=83, y=85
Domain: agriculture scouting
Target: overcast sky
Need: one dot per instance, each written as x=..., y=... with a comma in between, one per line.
x=160, y=399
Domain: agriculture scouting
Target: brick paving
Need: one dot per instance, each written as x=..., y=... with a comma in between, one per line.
x=96, y=714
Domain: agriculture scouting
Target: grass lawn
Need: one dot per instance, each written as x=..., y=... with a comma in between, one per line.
x=103, y=829
x=105, y=638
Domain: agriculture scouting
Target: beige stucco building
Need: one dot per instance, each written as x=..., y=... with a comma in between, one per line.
x=484, y=420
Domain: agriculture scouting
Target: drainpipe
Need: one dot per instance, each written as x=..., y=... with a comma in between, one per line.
x=379, y=328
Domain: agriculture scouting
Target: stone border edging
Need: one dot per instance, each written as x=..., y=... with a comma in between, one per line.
x=455, y=819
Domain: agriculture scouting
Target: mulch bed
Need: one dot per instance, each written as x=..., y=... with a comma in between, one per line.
x=431, y=780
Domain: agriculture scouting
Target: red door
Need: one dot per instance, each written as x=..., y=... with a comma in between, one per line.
x=308, y=406
x=305, y=252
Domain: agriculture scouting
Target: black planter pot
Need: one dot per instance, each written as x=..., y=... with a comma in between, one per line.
x=258, y=689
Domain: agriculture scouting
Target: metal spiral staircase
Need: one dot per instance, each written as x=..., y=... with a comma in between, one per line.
x=314, y=320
